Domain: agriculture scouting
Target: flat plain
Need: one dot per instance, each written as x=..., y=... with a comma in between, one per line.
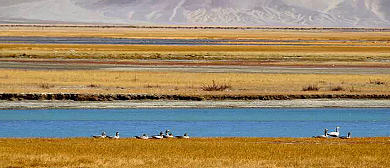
x=283, y=45
x=312, y=62
x=346, y=62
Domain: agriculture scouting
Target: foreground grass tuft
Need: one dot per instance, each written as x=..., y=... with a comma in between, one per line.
x=45, y=85
x=337, y=88
x=377, y=82
x=311, y=88
x=216, y=87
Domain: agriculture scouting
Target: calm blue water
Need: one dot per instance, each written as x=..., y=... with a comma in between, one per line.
x=196, y=122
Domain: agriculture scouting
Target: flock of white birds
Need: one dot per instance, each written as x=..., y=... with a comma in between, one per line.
x=338, y=13
x=167, y=134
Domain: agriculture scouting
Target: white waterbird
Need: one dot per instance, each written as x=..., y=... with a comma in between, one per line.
x=346, y=137
x=323, y=136
x=100, y=136
x=114, y=137
x=185, y=136
x=160, y=136
x=168, y=134
x=144, y=136
x=335, y=134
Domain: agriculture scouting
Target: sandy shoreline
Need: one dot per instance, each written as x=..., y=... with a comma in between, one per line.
x=311, y=103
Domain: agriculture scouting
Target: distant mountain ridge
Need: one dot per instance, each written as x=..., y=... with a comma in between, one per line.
x=339, y=13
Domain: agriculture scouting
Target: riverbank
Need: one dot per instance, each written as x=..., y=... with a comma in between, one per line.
x=175, y=104
x=195, y=152
x=113, y=97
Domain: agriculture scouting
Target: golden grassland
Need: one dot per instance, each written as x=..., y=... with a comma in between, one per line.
x=340, y=48
x=186, y=83
x=337, y=45
x=195, y=152
x=169, y=33
x=223, y=52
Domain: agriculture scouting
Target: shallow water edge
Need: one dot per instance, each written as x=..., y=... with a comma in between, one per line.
x=179, y=104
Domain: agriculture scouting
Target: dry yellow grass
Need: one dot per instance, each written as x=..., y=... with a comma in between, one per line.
x=184, y=83
x=336, y=44
x=191, y=33
x=289, y=53
x=376, y=52
x=197, y=152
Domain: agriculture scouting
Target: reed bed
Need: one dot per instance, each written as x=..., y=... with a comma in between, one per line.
x=195, y=152
x=186, y=83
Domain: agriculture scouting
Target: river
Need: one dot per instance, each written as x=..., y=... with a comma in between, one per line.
x=241, y=122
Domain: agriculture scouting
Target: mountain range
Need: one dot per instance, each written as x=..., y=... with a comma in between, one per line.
x=331, y=13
